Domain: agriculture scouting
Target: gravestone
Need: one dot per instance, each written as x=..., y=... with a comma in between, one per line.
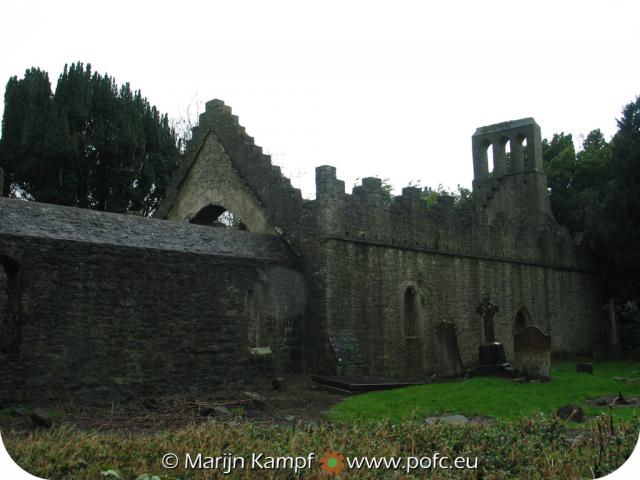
x=585, y=367
x=487, y=310
x=492, y=354
x=450, y=359
x=611, y=348
x=532, y=352
x=491, y=357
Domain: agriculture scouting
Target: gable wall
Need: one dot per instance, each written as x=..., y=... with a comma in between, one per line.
x=213, y=180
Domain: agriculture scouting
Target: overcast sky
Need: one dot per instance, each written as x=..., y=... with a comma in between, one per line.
x=391, y=89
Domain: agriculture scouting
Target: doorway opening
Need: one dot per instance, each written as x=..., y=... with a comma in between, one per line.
x=10, y=325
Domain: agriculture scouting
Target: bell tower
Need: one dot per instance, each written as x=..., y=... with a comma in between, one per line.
x=516, y=184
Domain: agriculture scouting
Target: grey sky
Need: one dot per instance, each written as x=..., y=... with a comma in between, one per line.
x=393, y=89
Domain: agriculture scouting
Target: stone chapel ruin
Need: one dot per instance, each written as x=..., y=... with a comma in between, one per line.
x=103, y=306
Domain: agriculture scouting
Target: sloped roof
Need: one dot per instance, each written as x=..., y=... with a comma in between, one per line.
x=42, y=220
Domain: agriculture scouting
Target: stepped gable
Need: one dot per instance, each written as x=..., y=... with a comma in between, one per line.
x=55, y=222
x=282, y=203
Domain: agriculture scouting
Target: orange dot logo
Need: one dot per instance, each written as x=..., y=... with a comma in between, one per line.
x=332, y=463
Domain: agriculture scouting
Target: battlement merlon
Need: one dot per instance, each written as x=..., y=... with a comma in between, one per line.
x=327, y=184
x=329, y=189
x=525, y=157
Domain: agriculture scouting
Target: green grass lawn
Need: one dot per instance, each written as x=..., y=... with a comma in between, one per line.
x=498, y=397
x=373, y=425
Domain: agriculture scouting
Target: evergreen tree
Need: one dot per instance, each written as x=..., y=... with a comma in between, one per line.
x=23, y=126
x=621, y=219
x=91, y=144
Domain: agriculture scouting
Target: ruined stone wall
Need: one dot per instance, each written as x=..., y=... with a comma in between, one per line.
x=223, y=164
x=5, y=307
x=213, y=181
x=104, y=321
x=365, y=254
x=369, y=214
x=366, y=284
x=376, y=247
x=224, y=167
x=516, y=187
x=111, y=323
x=3, y=291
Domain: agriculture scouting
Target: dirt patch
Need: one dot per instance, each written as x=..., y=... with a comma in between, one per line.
x=297, y=401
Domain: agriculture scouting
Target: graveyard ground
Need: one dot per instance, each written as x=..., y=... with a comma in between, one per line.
x=511, y=429
x=505, y=399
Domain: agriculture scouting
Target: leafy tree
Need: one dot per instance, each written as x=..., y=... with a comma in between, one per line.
x=559, y=158
x=598, y=190
x=578, y=182
x=90, y=144
x=592, y=184
x=461, y=198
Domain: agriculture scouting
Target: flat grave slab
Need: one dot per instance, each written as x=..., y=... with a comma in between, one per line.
x=360, y=384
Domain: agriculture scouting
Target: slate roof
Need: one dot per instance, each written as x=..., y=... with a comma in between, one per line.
x=42, y=220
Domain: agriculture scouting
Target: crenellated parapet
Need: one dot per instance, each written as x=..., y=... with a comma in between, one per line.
x=327, y=185
x=369, y=215
x=510, y=219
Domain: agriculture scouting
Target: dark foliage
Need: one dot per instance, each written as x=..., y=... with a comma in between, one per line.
x=597, y=191
x=89, y=144
x=621, y=222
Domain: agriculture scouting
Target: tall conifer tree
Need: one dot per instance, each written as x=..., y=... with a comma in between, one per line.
x=90, y=144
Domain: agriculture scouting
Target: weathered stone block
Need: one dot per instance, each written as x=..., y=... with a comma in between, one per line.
x=532, y=352
x=450, y=360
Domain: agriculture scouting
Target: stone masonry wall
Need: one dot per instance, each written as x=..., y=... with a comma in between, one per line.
x=3, y=290
x=376, y=247
x=212, y=180
x=368, y=214
x=115, y=305
x=102, y=321
x=366, y=284
x=360, y=252
x=272, y=192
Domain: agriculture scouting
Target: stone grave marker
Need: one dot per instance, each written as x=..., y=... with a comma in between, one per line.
x=532, y=352
x=450, y=359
